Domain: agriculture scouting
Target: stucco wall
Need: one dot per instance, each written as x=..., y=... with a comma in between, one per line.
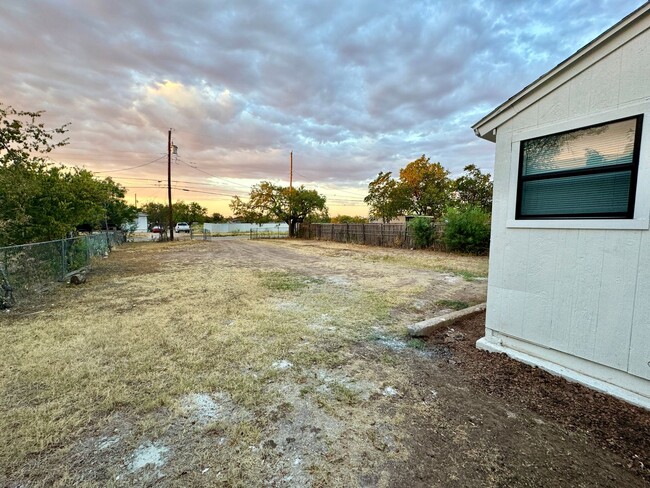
x=577, y=287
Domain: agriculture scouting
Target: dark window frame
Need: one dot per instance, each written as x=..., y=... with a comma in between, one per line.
x=633, y=167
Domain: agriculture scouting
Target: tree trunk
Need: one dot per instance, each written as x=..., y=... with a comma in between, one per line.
x=292, y=228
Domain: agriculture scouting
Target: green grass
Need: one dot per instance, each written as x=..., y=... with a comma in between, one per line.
x=416, y=343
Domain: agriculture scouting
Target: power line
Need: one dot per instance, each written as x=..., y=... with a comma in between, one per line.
x=132, y=167
x=191, y=163
x=160, y=180
x=191, y=190
x=102, y=157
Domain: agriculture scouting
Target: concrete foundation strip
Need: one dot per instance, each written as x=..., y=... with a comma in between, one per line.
x=429, y=326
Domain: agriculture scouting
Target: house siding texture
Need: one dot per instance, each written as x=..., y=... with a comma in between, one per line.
x=577, y=293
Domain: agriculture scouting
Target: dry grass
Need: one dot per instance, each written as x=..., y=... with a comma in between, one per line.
x=468, y=266
x=157, y=322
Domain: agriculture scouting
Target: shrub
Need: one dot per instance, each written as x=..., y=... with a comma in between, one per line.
x=467, y=230
x=422, y=231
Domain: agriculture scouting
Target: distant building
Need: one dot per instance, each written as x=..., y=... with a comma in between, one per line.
x=400, y=219
x=141, y=222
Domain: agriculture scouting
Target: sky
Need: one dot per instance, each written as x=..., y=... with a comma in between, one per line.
x=351, y=87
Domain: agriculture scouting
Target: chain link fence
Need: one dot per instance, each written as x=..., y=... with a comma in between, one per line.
x=30, y=269
x=267, y=234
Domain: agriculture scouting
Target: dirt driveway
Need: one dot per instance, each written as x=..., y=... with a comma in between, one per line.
x=284, y=363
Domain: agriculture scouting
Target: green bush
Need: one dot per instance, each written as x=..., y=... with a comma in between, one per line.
x=422, y=231
x=467, y=230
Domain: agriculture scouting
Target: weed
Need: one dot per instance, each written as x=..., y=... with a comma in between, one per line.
x=344, y=394
x=312, y=357
x=416, y=343
x=281, y=281
x=216, y=428
x=388, y=359
x=453, y=304
x=306, y=390
x=244, y=433
x=139, y=347
x=467, y=275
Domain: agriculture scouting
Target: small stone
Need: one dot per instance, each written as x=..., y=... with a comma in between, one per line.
x=389, y=391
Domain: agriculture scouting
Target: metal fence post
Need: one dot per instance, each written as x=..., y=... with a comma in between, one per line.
x=63, y=259
x=6, y=265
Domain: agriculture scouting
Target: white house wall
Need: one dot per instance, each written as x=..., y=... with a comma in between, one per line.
x=581, y=288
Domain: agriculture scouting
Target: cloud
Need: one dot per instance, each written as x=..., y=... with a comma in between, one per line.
x=353, y=88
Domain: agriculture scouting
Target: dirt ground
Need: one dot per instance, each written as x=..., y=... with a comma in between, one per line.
x=285, y=363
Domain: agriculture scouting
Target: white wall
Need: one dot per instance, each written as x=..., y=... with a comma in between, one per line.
x=141, y=223
x=244, y=227
x=576, y=292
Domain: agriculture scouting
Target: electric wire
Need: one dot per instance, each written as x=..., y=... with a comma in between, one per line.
x=192, y=165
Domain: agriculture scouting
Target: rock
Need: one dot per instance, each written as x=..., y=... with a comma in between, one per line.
x=78, y=279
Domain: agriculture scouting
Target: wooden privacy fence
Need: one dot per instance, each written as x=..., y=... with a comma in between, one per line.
x=386, y=235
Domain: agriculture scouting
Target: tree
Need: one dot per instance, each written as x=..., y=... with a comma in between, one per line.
x=385, y=198
x=268, y=202
x=216, y=218
x=23, y=140
x=157, y=213
x=41, y=201
x=118, y=212
x=427, y=187
x=196, y=213
x=422, y=231
x=347, y=219
x=189, y=212
x=467, y=230
x=474, y=188
x=44, y=202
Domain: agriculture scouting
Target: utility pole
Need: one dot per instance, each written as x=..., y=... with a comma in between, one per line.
x=169, y=184
x=290, y=194
x=291, y=173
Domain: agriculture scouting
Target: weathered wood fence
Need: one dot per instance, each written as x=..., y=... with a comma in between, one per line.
x=386, y=235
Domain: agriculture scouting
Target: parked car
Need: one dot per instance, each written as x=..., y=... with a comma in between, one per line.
x=157, y=229
x=182, y=227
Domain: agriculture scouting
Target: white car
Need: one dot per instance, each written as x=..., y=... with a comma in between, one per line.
x=182, y=227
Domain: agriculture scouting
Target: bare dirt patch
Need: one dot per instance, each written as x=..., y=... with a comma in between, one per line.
x=286, y=363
